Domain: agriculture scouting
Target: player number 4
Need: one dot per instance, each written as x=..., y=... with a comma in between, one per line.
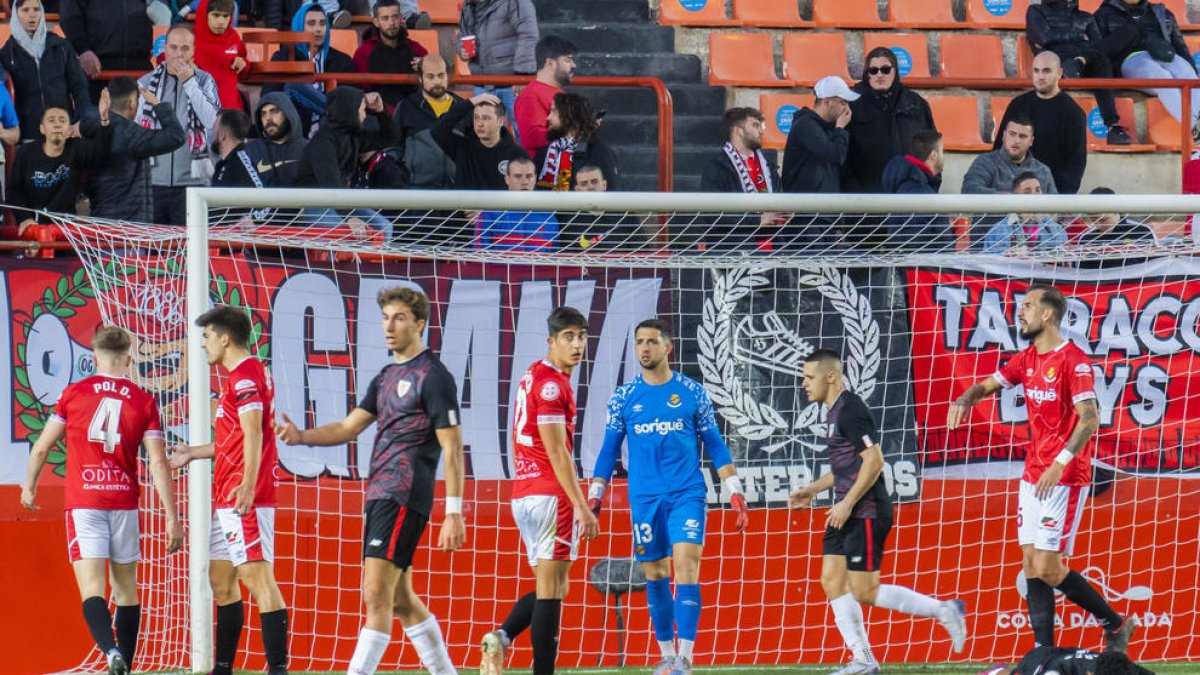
x=106, y=424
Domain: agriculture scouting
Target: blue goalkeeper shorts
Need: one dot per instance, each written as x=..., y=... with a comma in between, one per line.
x=659, y=523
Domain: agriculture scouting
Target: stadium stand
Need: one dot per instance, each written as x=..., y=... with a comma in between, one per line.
x=1024, y=58
x=426, y=38
x=344, y=40
x=971, y=55
x=1161, y=129
x=442, y=11
x=694, y=13
x=1097, y=143
x=957, y=117
x=742, y=59
x=997, y=14
x=778, y=110
x=807, y=57
x=1179, y=9
x=911, y=50
x=848, y=14
x=924, y=14
x=769, y=14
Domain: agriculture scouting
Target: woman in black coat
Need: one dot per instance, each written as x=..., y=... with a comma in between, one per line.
x=883, y=121
x=1142, y=38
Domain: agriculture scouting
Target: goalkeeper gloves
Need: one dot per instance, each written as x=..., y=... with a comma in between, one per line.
x=595, y=495
x=738, y=501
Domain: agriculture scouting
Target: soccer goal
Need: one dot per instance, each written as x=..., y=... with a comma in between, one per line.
x=917, y=294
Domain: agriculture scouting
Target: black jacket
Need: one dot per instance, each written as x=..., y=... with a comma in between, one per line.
x=330, y=159
x=476, y=167
x=117, y=31
x=735, y=231
x=277, y=163
x=719, y=175
x=882, y=127
x=915, y=230
x=1128, y=29
x=57, y=78
x=120, y=184
x=236, y=170
x=38, y=181
x=595, y=152
x=430, y=167
x=1061, y=27
x=814, y=154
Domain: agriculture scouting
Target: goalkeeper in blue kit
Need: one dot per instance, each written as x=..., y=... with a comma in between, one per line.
x=665, y=417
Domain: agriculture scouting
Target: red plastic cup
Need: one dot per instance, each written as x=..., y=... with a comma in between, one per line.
x=468, y=45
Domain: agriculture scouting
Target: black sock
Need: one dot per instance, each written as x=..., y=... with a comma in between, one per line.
x=129, y=619
x=229, y=632
x=99, y=623
x=1079, y=591
x=1040, y=598
x=275, y=639
x=520, y=617
x=544, y=635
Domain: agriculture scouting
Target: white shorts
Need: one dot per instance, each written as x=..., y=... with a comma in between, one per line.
x=1050, y=524
x=548, y=527
x=102, y=533
x=243, y=539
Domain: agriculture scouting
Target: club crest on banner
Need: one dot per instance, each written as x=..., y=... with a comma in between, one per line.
x=729, y=347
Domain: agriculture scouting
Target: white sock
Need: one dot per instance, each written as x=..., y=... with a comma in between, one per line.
x=427, y=638
x=848, y=616
x=685, y=649
x=906, y=600
x=369, y=650
x=667, y=647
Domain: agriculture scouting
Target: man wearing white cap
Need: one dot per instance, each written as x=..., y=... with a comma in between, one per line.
x=818, y=142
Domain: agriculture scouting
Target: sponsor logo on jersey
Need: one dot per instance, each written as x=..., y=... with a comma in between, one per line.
x=641, y=549
x=691, y=523
x=375, y=543
x=403, y=387
x=550, y=391
x=692, y=534
x=243, y=385
x=1041, y=395
x=674, y=401
x=1049, y=522
x=637, y=407
x=1083, y=369
x=856, y=559
x=1051, y=375
x=1029, y=372
x=660, y=427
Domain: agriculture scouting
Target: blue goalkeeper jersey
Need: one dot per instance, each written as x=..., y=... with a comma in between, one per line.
x=665, y=425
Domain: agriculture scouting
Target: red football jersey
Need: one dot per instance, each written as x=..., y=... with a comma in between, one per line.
x=1054, y=382
x=543, y=397
x=248, y=387
x=107, y=418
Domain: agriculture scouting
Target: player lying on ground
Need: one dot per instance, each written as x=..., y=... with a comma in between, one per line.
x=857, y=527
x=1047, y=660
x=665, y=416
x=105, y=418
x=547, y=503
x=242, y=541
x=1060, y=399
x=415, y=402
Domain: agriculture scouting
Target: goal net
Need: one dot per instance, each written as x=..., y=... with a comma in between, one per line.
x=919, y=306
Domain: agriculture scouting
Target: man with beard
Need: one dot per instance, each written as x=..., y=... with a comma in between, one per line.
x=276, y=154
x=388, y=50
x=556, y=66
x=994, y=172
x=310, y=96
x=741, y=166
x=572, y=135
x=431, y=168
x=1060, y=398
x=229, y=143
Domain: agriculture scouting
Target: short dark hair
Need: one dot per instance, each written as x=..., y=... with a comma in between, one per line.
x=224, y=6
x=112, y=339
x=826, y=358
x=923, y=143
x=121, y=89
x=236, y=121
x=583, y=168
x=1021, y=119
x=56, y=105
x=656, y=324
x=498, y=107
x=552, y=47
x=416, y=301
x=576, y=114
x=1024, y=176
x=1052, y=299
x=519, y=159
x=1103, y=191
x=380, y=4
x=563, y=318
x=735, y=116
x=227, y=320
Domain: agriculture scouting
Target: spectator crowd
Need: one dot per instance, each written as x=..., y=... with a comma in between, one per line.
x=128, y=150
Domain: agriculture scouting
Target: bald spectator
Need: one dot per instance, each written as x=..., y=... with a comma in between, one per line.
x=993, y=172
x=1061, y=140
x=431, y=167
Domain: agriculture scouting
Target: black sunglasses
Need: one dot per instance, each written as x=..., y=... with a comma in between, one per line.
x=875, y=70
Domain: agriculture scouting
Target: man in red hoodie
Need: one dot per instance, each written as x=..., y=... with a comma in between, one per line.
x=219, y=49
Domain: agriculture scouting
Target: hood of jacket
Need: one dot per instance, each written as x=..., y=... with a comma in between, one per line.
x=284, y=103
x=341, y=108
x=204, y=34
x=1120, y=4
x=298, y=27
x=1070, y=5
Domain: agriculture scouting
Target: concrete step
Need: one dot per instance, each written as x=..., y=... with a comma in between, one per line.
x=682, y=68
x=688, y=99
x=643, y=129
x=566, y=11
x=613, y=38
x=689, y=160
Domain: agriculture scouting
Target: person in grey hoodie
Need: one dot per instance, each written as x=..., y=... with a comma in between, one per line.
x=192, y=93
x=120, y=185
x=505, y=36
x=276, y=153
x=994, y=171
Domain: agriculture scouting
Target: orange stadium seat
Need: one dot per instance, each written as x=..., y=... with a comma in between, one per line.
x=1162, y=129
x=442, y=11
x=426, y=38
x=1179, y=9
x=968, y=55
x=1090, y=6
x=999, y=104
x=778, y=110
x=1024, y=58
x=1098, y=143
x=848, y=14
x=742, y=60
x=910, y=49
x=694, y=13
x=927, y=14
x=999, y=14
x=957, y=117
x=344, y=40
x=807, y=57
x=769, y=14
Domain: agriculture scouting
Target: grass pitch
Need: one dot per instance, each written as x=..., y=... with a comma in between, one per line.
x=801, y=669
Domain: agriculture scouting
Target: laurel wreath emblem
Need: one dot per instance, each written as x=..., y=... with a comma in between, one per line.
x=757, y=420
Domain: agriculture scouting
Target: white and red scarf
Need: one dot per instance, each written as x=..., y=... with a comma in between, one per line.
x=557, y=171
x=749, y=184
